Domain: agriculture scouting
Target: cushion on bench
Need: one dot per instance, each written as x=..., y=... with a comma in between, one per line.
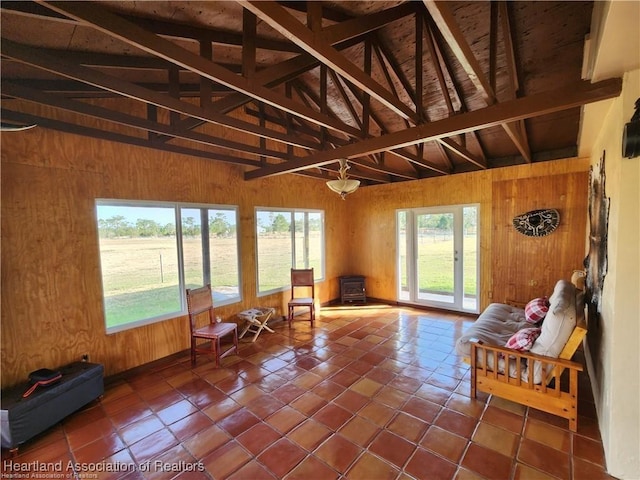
x=495, y=326
x=499, y=322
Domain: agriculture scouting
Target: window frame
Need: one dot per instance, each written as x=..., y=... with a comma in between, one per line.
x=292, y=212
x=179, y=246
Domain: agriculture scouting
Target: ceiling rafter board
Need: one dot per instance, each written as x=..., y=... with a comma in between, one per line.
x=280, y=19
x=36, y=58
x=562, y=98
x=117, y=27
x=342, y=36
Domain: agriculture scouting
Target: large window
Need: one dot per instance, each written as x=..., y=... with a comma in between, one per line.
x=288, y=239
x=151, y=252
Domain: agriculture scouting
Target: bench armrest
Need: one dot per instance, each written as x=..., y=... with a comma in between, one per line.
x=508, y=352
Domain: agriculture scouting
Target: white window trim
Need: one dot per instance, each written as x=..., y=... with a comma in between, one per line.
x=177, y=206
x=411, y=248
x=292, y=211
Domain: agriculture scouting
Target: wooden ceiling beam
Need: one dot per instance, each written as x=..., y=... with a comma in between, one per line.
x=362, y=171
x=563, y=98
x=412, y=158
x=447, y=142
x=160, y=27
x=340, y=142
x=416, y=159
x=16, y=90
x=206, y=85
x=509, y=49
x=366, y=97
x=315, y=44
x=268, y=77
x=339, y=35
x=438, y=69
x=385, y=55
x=447, y=25
x=314, y=15
x=357, y=26
x=77, y=89
x=493, y=44
x=305, y=92
x=249, y=44
x=301, y=128
x=440, y=60
x=109, y=60
x=520, y=136
x=217, y=37
x=132, y=34
x=120, y=138
x=463, y=152
x=307, y=95
x=443, y=152
x=419, y=66
x=385, y=169
x=345, y=98
x=174, y=92
x=34, y=57
x=361, y=99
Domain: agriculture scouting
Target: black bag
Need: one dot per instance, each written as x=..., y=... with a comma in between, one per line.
x=43, y=377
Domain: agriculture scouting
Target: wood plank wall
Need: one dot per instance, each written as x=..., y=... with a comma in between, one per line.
x=51, y=283
x=511, y=265
x=530, y=266
x=51, y=290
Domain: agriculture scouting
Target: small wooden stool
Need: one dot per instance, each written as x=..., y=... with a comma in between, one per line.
x=256, y=320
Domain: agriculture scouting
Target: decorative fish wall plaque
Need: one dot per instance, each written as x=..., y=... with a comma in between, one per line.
x=537, y=223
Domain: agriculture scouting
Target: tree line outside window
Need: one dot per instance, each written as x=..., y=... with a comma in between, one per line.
x=151, y=252
x=287, y=239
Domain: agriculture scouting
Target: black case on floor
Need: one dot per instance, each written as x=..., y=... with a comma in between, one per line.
x=24, y=418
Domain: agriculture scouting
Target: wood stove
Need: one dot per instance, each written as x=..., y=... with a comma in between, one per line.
x=352, y=289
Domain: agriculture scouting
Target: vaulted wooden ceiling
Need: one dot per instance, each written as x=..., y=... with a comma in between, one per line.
x=403, y=90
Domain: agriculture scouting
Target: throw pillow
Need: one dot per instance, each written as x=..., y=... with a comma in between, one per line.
x=536, y=309
x=523, y=339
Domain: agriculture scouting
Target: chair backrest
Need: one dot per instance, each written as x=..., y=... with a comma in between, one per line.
x=199, y=301
x=302, y=277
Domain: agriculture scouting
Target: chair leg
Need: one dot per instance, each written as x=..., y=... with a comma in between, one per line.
x=193, y=352
x=235, y=340
x=215, y=345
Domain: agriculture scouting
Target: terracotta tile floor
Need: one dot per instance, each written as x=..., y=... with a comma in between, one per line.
x=369, y=393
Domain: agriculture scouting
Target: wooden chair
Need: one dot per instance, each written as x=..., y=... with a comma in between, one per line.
x=200, y=302
x=302, y=278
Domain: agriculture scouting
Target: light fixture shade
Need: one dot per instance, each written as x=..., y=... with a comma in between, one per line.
x=345, y=186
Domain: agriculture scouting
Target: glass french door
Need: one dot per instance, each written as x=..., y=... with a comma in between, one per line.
x=438, y=257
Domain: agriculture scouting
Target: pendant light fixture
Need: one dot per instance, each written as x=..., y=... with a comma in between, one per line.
x=343, y=186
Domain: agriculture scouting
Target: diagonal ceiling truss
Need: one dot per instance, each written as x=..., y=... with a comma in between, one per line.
x=292, y=87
